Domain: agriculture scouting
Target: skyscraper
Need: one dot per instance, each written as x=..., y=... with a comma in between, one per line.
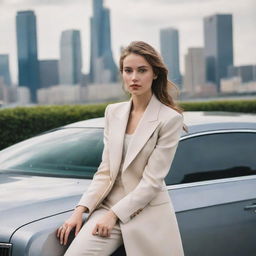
x=70, y=63
x=102, y=66
x=246, y=72
x=218, y=41
x=4, y=69
x=49, y=73
x=27, y=51
x=194, y=78
x=169, y=44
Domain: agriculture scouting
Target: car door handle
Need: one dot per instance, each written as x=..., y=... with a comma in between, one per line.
x=250, y=207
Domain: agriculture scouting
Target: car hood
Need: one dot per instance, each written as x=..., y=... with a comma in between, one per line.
x=24, y=199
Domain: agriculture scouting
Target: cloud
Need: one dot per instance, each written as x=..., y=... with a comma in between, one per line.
x=33, y=3
x=165, y=2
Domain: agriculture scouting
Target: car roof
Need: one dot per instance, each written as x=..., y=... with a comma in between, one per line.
x=196, y=121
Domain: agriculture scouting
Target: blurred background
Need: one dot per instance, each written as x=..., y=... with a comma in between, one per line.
x=67, y=52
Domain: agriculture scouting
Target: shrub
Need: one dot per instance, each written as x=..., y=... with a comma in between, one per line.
x=245, y=106
x=24, y=122
x=20, y=123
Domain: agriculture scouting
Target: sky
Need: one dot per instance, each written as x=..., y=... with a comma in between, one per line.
x=130, y=20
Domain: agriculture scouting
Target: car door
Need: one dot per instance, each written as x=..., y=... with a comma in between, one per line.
x=212, y=184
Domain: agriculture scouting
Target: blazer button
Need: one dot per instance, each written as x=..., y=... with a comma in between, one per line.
x=138, y=211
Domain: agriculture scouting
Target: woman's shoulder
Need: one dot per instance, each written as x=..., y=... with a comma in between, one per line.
x=167, y=113
x=116, y=106
x=169, y=118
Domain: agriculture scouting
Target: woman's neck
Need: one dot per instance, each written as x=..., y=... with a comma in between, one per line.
x=140, y=102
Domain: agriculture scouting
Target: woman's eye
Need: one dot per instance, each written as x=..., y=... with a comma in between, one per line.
x=127, y=71
x=142, y=70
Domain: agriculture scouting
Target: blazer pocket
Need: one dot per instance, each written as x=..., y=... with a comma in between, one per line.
x=161, y=198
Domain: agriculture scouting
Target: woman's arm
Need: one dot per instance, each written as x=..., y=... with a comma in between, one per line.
x=101, y=178
x=155, y=171
x=90, y=197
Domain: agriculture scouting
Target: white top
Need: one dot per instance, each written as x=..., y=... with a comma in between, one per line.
x=117, y=192
x=127, y=138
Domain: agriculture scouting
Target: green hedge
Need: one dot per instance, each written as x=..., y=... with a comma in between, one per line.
x=244, y=106
x=19, y=123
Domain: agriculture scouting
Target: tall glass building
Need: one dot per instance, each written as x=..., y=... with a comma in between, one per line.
x=70, y=63
x=102, y=66
x=4, y=69
x=218, y=43
x=28, y=67
x=49, y=73
x=169, y=44
x=194, y=77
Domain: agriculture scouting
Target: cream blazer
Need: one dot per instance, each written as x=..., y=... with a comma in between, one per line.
x=147, y=218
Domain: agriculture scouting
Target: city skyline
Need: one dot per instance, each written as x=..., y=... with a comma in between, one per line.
x=138, y=25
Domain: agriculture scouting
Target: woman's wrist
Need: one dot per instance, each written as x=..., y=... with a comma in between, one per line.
x=113, y=214
x=81, y=209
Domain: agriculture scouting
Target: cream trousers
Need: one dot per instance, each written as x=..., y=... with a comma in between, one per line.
x=86, y=244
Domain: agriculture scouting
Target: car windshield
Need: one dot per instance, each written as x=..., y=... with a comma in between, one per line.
x=70, y=152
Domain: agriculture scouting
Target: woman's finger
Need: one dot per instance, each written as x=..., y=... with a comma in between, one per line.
x=66, y=235
x=78, y=227
x=62, y=234
x=100, y=230
x=104, y=231
x=58, y=232
x=109, y=231
x=95, y=230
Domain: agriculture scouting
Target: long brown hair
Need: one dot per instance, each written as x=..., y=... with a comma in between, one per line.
x=161, y=84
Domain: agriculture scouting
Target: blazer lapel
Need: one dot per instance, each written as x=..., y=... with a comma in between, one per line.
x=117, y=130
x=146, y=126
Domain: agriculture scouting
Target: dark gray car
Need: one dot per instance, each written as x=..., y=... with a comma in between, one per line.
x=212, y=183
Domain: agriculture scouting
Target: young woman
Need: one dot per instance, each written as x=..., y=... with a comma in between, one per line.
x=127, y=200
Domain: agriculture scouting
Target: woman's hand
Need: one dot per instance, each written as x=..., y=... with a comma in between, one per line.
x=104, y=225
x=75, y=221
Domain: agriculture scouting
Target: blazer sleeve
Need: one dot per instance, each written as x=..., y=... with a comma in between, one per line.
x=155, y=171
x=101, y=178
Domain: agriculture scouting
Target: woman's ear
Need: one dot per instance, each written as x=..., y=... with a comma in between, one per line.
x=155, y=72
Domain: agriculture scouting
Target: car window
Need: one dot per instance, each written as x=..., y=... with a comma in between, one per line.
x=66, y=152
x=213, y=156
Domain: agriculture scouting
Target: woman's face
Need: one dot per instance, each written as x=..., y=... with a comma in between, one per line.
x=137, y=75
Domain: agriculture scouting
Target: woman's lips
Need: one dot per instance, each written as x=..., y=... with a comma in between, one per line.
x=135, y=86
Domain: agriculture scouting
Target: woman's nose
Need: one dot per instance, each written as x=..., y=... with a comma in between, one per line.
x=134, y=76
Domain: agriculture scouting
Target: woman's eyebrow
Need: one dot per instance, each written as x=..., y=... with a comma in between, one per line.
x=137, y=67
x=143, y=67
